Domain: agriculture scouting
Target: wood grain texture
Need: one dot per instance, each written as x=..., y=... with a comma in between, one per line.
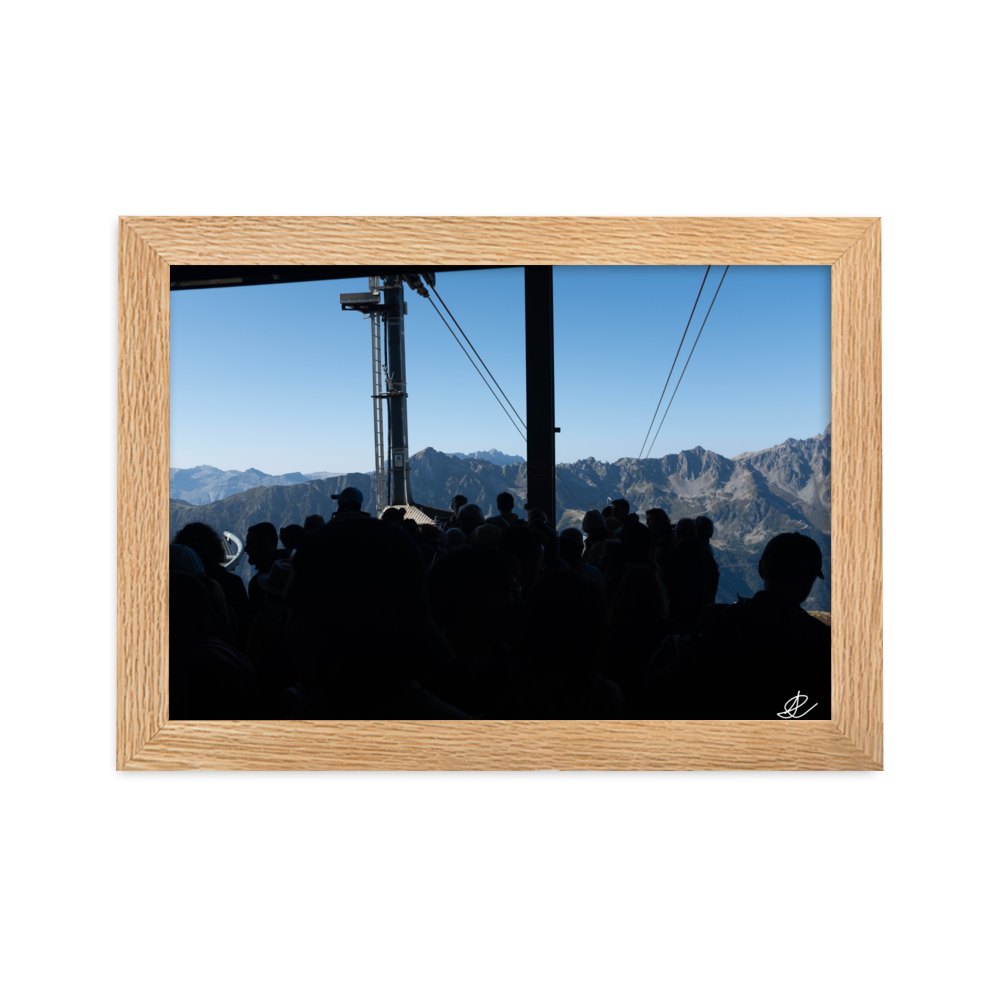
x=856, y=492
x=143, y=490
x=512, y=746
x=499, y=240
x=146, y=741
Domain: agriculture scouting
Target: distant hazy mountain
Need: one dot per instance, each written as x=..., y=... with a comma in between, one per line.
x=205, y=483
x=751, y=498
x=494, y=456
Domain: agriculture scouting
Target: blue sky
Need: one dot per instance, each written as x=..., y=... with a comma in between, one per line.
x=278, y=378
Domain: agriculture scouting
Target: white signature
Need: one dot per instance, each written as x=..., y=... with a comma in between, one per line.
x=793, y=705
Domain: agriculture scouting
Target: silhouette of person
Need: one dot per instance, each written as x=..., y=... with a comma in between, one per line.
x=261, y=550
x=349, y=503
x=505, y=505
x=763, y=658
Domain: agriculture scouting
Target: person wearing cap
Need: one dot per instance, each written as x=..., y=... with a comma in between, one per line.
x=763, y=658
x=349, y=502
x=266, y=647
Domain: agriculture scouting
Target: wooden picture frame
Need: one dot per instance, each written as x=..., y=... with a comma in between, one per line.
x=147, y=740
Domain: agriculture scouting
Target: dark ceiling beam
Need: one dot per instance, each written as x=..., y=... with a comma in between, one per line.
x=184, y=276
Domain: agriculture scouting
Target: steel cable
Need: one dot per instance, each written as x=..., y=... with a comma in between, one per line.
x=474, y=351
x=676, y=356
x=686, y=363
x=478, y=372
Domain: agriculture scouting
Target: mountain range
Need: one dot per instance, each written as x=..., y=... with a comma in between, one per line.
x=494, y=456
x=205, y=483
x=750, y=498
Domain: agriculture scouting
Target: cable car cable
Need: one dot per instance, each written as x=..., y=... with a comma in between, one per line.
x=568, y=490
x=488, y=386
x=676, y=356
x=478, y=372
x=474, y=351
x=686, y=363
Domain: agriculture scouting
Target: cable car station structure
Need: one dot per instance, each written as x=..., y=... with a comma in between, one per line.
x=385, y=305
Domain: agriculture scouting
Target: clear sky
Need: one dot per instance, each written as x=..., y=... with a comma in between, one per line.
x=278, y=378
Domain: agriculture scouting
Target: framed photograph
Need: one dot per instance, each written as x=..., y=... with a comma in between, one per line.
x=147, y=737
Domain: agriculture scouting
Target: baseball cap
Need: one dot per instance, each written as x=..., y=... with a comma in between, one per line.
x=794, y=552
x=349, y=493
x=277, y=579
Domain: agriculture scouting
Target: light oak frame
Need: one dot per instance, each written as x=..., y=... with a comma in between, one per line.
x=147, y=740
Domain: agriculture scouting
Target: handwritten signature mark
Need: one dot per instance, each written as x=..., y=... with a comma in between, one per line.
x=793, y=705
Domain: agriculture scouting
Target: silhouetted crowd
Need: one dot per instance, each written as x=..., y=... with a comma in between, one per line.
x=496, y=618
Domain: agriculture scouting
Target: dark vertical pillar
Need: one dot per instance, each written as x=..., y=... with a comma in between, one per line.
x=399, y=454
x=539, y=356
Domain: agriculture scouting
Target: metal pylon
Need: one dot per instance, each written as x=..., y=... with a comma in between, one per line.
x=377, y=396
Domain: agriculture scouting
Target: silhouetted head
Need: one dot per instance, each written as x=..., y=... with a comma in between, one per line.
x=607, y=512
x=457, y=503
x=505, y=503
x=571, y=544
x=790, y=564
x=593, y=521
x=204, y=540
x=184, y=559
x=637, y=542
x=470, y=516
x=262, y=543
x=456, y=537
x=314, y=521
x=291, y=535
x=526, y=547
x=394, y=515
x=685, y=529
x=486, y=535
x=620, y=509
x=536, y=514
x=550, y=540
x=658, y=522
x=433, y=535
x=704, y=528
x=348, y=499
